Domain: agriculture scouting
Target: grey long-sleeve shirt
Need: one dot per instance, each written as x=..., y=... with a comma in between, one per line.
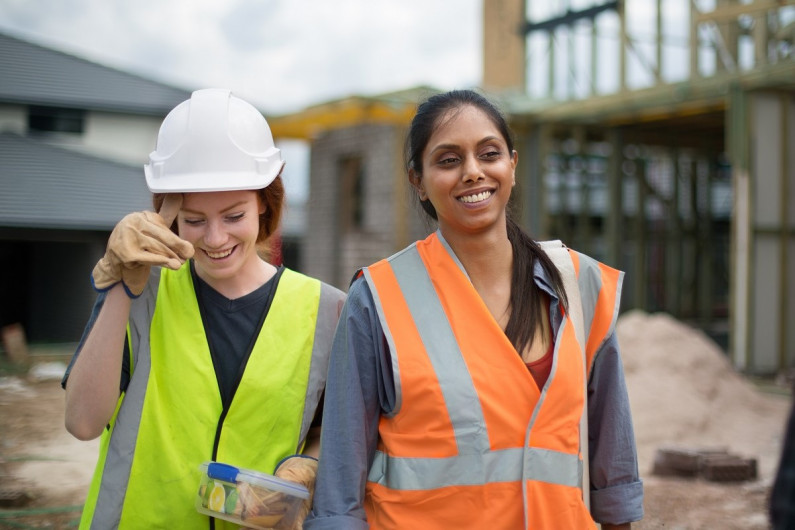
x=360, y=387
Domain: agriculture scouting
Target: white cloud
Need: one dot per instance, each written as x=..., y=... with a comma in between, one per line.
x=281, y=55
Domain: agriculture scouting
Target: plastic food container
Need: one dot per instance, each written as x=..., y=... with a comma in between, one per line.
x=248, y=498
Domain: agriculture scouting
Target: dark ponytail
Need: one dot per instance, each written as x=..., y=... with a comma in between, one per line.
x=525, y=310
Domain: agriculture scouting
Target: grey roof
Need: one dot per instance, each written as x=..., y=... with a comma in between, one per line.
x=31, y=74
x=51, y=187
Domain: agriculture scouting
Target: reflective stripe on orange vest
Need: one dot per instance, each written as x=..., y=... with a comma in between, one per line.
x=470, y=428
x=601, y=286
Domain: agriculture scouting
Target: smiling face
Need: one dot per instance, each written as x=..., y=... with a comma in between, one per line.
x=467, y=172
x=223, y=228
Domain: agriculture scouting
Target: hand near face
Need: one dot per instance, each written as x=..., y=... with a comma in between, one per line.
x=139, y=241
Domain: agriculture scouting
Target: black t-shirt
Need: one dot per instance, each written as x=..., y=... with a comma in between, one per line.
x=231, y=327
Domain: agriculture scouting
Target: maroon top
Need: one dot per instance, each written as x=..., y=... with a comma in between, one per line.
x=540, y=368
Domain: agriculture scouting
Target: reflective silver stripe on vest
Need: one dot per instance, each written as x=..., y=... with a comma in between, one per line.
x=463, y=405
x=388, y=335
x=327, y=316
x=590, y=282
x=475, y=463
x=504, y=465
x=121, y=448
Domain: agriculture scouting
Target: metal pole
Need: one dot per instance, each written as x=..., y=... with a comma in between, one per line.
x=694, y=45
x=622, y=48
x=659, y=49
x=783, y=312
x=615, y=209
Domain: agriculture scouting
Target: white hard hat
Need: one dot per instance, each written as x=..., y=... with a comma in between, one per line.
x=213, y=142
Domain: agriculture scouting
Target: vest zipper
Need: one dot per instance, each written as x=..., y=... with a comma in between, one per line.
x=224, y=402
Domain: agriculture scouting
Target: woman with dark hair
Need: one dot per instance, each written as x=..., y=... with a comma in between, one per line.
x=198, y=349
x=475, y=379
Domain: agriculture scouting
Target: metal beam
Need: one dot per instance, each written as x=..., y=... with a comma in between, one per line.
x=673, y=243
x=615, y=207
x=706, y=247
x=570, y=17
x=785, y=237
x=694, y=47
x=659, y=43
x=623, y=43
x=735, y=11
x=641, y=273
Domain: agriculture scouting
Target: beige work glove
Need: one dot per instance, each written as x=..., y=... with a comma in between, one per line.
x=138, y=241
x=302, y=470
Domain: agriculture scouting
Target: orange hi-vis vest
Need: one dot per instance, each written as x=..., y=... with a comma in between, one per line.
x=472, y=442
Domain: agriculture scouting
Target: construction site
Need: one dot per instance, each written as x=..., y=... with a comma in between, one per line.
x=656, y=136
x=664, y=151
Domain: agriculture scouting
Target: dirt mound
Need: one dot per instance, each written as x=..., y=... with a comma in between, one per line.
x=684, y=392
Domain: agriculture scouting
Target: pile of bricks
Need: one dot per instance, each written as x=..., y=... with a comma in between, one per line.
x=717, y=465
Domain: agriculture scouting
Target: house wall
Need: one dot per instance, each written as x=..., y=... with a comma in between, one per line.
x=124, y=138
x=13, y=118
x=45, y=261
x=45, y=284
x=121, y=137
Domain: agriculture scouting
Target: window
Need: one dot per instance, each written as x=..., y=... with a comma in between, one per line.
x=351, y=201
x=55, y=119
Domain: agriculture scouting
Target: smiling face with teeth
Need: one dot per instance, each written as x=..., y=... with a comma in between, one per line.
x=467, y=172
x=223, y=227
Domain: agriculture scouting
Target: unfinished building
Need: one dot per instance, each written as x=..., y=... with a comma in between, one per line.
x=664, y=149
x=655, y=136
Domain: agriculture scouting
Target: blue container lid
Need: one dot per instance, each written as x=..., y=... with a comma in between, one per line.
x=233, y=474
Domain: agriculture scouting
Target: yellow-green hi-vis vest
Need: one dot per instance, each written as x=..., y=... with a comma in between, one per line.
x=171, y=417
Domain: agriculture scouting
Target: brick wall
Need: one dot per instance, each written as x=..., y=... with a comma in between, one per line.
x=389, y=220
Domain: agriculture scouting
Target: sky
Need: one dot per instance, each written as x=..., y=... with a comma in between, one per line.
x=280, y=55
x=284, y=55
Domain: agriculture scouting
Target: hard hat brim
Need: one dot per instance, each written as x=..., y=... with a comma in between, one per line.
x=210, y=181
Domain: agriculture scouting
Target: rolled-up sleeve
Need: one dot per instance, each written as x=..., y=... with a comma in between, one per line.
x=616, y=488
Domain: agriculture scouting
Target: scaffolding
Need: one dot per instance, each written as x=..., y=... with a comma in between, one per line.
x=657, y=137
